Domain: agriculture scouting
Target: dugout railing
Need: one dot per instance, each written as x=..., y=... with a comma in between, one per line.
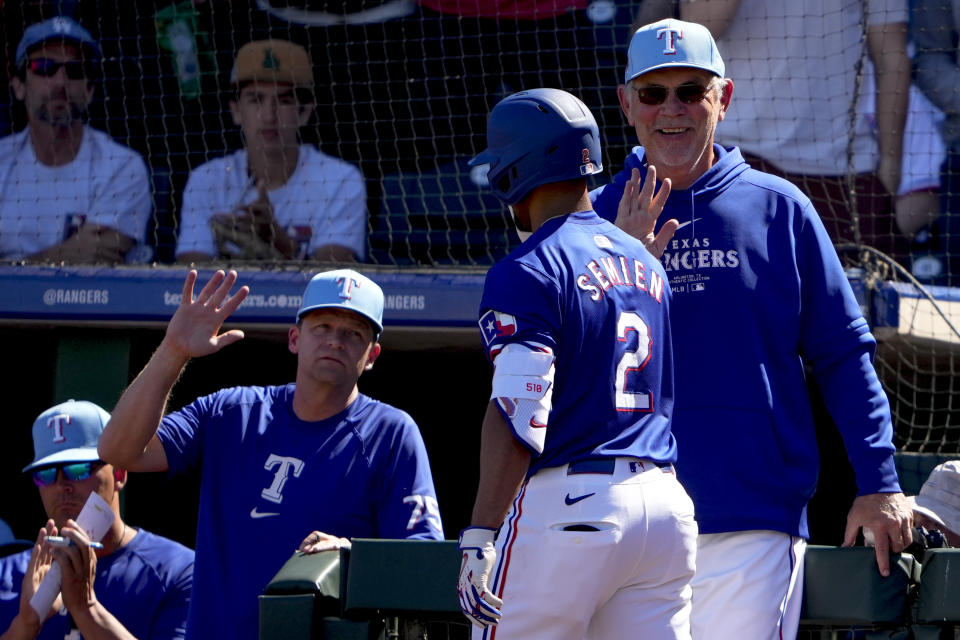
x=405, y=590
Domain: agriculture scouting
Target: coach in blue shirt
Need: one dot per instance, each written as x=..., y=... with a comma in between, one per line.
x=759, y=295
x=141, y=582
x=304, y=465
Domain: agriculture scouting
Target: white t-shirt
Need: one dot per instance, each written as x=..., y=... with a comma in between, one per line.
x=923, y=147
x=793, y=65
x=40, y=206
x=323, y=202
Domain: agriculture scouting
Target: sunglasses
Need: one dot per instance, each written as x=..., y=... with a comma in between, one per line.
x=687, y=93
x=45, y=67
x=74, y=471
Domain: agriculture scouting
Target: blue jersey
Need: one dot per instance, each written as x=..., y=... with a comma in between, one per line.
x=759, y=294
x=267, y=479
x=146, y=585
x=595, y=297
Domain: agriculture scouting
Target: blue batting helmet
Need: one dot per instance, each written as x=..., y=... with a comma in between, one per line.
x=536, y=137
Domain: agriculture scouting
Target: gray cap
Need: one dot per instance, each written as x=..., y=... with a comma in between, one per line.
x=672, y=43
x=67, y=433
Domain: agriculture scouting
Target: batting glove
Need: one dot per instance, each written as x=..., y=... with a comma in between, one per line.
x=476, y=600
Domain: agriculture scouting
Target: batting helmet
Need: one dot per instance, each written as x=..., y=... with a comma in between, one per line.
x=536, y=137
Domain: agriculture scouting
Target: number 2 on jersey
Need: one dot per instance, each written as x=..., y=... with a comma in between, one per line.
x=632, y=361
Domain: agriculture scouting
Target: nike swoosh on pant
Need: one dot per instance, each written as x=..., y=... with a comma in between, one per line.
x=570, y=500
x=262, y=514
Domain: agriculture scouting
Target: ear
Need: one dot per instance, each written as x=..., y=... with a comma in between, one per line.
x=293, y=339
x=19, y=88
x=725, y=96
x=372, y=356
x=235, y=112
x=119, y=479
x=625, y=101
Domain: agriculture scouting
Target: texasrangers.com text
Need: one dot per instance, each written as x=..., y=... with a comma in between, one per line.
x=273, y=301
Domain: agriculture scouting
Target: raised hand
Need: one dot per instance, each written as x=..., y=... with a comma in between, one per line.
x=194, y=329
x=640, y=207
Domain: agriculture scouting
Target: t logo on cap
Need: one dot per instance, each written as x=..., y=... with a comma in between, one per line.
x=346, y=284
x=669, y=41
x=57, y=423
x=67, y=433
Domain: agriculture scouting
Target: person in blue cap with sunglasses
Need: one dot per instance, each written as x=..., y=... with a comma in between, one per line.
x=302, y=466
x=759, y=298
x=137, y=585
x=68, y=192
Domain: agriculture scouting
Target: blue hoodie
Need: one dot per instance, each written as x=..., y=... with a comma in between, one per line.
x=758, y=293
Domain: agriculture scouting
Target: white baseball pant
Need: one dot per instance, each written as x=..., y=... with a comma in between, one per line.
x=628, y=577
x=749, y=584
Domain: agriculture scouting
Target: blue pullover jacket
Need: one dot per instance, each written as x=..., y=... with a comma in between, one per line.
x=759, y=293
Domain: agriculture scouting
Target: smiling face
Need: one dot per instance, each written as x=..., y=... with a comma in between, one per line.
x=333, y=346
x=677, y=136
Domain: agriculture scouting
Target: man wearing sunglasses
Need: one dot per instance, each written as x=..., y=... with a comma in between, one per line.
x=759, y=294
x=68, y=192
x=137, y=586
x=304, y=465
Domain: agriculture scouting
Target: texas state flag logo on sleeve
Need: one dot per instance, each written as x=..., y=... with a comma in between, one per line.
x=495, y=326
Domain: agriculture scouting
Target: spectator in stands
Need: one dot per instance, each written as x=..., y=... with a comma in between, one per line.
x=759, y=300
x=67, y=191
x=304, y=465
x=937, y=506
x=935, y=29
x=138, y=585
x=917, y=203
x=795, y=65
x=276, y=199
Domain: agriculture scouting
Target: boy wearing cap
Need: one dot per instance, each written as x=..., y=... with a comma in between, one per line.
x=275, y=199
x=67, y=191
x=759, y=295
x=305, y=465
x=141, y=582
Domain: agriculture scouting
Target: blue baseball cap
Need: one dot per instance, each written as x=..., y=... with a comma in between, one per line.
x=67, y=433
x=61, y=28
x=344, y=289
x=672, y=43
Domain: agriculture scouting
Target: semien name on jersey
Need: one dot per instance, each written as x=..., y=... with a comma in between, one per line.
x=619, y=271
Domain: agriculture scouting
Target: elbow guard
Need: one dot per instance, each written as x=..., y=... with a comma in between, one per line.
x=523, y=387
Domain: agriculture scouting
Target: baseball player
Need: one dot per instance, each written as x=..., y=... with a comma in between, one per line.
x=580, y=528
x=304, y=465
x=760, y=298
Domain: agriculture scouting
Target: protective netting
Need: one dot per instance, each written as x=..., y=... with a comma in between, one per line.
x=401, y=92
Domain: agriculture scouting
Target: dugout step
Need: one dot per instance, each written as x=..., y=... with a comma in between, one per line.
x=843, y=587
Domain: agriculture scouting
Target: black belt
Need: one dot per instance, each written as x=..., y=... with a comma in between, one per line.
x=605, y=466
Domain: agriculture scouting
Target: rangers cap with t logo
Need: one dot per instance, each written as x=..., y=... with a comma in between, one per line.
x=672, y=43
x=67, y=432
x=345, y=289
